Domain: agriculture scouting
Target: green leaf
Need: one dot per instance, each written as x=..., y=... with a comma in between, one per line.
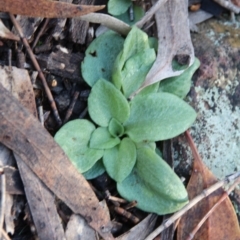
x=73, y=138
x=119, y=161
x=158, y=116
x=117, y=7
x=151, y=145
x=97, y=170
x=115, y=128
x=138, y=13
x=153, y=184
x=135, y=70
x=102, y=139
x=153, y=43
x=177, y=66
x=135, y=42
x=153, y=88
x=100, y=57
x=106, y=102
x=180, y=85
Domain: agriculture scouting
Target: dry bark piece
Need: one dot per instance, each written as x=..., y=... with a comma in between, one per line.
x=62, y=64
x=22, y=133
x=222, y=224
x=77, y=228
x=56, y=33
x=13, y=181
x=78, y=28
x=45, y=216
x=46, y=8
x=6, y=33
x=28, y=25
x=174, y=40
x=6, y=159
x=9, y=216
x=18, y=82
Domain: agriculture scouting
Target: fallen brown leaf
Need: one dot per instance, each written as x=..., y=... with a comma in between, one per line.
x=22, y=133
x=222, y=224
x=173, y=40
x=46, y=8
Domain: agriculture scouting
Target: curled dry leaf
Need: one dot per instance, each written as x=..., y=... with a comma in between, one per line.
x=222, y=224
x=174, y=41
x=46, y=8
x=21, y=132
x=5, y=33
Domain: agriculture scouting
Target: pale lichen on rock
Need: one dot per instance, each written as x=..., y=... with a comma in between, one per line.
x=215, y=95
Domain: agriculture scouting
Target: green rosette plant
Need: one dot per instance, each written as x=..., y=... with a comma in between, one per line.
x=120, y=138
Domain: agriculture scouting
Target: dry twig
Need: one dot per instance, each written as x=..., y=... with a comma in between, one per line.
x=150, y=13
x=71, y=106
x=37, y=67
x=40, y=32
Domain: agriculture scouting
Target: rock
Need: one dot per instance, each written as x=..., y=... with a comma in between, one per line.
x=215, y=95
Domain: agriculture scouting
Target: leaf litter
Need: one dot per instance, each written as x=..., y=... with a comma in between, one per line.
x=223, y=222
x=40, y=153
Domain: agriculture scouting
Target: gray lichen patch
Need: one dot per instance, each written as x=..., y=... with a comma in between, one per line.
x=216, y=132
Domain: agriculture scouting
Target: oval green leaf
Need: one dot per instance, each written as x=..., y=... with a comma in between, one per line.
x=74, y=138
x=135, y=70
x=153, y=88
x=180, y=85
x=117, y=7
x=135, y=42
x=120, y=160
x=97, y=170
x=153, y=184
x=115, y=128
x=100, y=57
x=158, y=116
x=102, y=139
x=106, y=102
x=138, y=13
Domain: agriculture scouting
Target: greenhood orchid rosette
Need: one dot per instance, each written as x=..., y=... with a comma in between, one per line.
x=121, y=137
